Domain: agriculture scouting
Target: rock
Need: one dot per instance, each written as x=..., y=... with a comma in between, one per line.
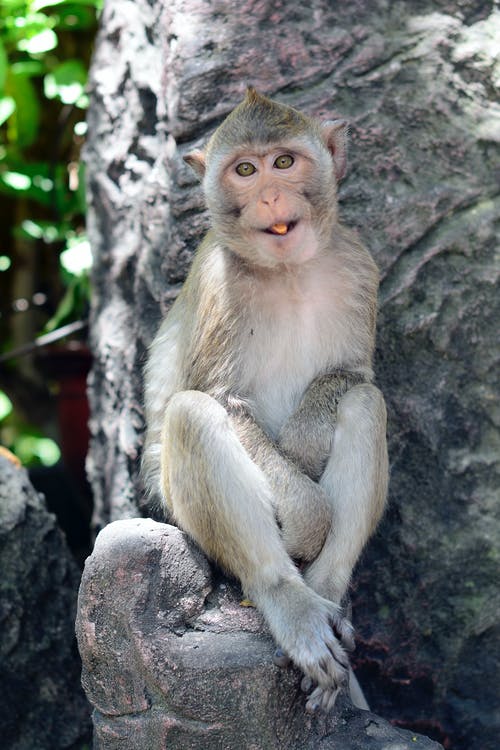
x=419, y=84
x=171, y=659
x=42, y=705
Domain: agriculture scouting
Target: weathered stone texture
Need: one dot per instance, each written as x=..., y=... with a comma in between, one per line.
x=171, y=659
x=419, y=83
x=42, y=705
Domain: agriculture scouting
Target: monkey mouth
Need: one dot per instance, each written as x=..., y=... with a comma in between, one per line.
x=280, y=229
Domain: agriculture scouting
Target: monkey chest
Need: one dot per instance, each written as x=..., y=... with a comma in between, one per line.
x=283, y=354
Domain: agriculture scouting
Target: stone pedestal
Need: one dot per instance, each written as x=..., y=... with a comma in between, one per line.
x=172, y=659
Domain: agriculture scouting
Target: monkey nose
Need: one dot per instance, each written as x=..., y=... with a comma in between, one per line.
x=270, y=196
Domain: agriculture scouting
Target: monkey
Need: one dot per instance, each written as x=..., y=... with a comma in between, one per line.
x=266, y=437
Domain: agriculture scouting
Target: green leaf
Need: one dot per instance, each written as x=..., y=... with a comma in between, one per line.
x=74, y=304
x=14, y=6
x=80, y=128
x=32, y=229
x=66, y=82
x=43, y=230
x=37, y=5
x=72, y=17
x=41, y=185
x=77, y=258
x=49, y=186
x=83, y=102
x=31, y=449
x=23, y=126
x=16, y=180
x=5, y=405
x=65, y=308
x=44, y=41
x=7, y=107
x=40, y=4
x=3, y=65
x=28, y=68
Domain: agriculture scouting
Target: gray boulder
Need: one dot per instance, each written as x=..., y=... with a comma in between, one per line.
x=172, y=659
x=42, y=704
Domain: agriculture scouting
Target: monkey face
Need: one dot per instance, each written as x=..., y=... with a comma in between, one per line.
x=273, y=203
x=270, y=178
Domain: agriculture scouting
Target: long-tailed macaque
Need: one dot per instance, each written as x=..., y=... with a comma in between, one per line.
x=266, y=437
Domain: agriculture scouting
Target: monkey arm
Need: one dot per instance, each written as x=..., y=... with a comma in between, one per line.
x=307, y=437
x=301, y=506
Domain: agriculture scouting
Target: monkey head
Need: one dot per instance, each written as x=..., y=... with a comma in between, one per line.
x=270, y=177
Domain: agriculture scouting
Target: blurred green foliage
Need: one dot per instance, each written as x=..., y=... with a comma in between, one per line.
x=28, y=443
x=45, y=49
x=33, y=71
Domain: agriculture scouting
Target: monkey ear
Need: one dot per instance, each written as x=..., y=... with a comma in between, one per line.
x=335, y=136
x=196, y=160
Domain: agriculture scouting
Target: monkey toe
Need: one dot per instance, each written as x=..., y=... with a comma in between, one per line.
x=322, y=699
x=306, y=684
x=340, y=658
x=330, y=667
x=344, y=631
x=281, y=659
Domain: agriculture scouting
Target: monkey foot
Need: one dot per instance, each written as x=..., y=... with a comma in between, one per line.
x=321, y=698
x=316, y=645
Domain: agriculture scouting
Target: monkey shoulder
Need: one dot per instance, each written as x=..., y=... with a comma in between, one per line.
x=353, y=255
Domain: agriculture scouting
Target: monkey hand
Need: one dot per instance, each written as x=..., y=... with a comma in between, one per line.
x=309, y=453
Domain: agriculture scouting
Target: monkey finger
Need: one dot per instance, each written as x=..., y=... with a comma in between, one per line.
x=281, y=659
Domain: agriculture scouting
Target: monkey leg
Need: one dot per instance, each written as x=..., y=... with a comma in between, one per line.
x=355, y=480
x=224, y=501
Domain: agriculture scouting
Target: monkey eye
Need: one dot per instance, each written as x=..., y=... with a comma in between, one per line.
x=284, y=161
x=245, y=169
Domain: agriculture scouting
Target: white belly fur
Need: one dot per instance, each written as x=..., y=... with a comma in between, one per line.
x=300, y=328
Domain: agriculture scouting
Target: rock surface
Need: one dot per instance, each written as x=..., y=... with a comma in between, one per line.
x=172, y=660
x=42, y=705
x=419, y=83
